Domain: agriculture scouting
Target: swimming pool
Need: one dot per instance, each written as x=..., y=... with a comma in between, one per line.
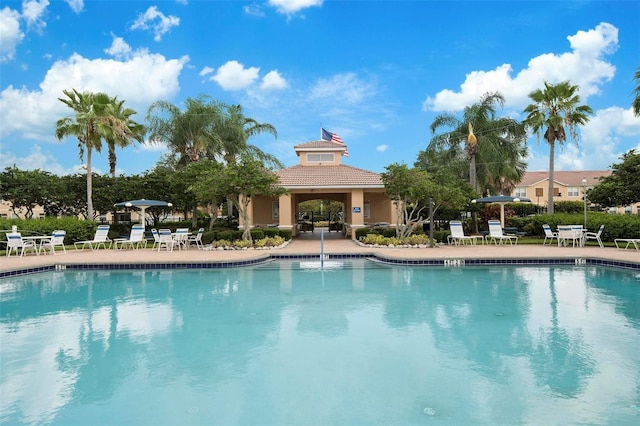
x=355, y=342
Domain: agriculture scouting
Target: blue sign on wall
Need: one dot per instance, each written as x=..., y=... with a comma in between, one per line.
x=356, y=209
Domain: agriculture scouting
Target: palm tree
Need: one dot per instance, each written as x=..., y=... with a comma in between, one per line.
x=232, y=134
x=636, y=101
x=187, y=133
x=555, y=107
x=495, y=146
x=125, y=130
x=88, y=125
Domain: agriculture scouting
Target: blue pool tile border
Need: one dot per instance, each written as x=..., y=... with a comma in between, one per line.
x=387, y=260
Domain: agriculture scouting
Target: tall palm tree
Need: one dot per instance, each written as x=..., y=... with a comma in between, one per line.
x=555, y=107
x=186, y=133
x=125, y=130
x=88, y=125
x=636, y=101
x=232, y=134
x=495, y=146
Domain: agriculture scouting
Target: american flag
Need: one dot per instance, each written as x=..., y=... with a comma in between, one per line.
x=333, y=137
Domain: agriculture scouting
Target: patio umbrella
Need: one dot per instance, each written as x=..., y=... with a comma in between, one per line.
x=143, y=205
x=502, y=200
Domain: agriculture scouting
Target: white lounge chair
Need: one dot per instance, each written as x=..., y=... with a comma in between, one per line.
x=136, y=238
x=457, y=234
x=497, y=236
x=593, y=236
x=635, y=242
x=56, y=240
x=101, y=238
x=548, y=234
x=182, y=238
x=196, y=239
x=15, y=243
x=165, y=239
x=570, y=233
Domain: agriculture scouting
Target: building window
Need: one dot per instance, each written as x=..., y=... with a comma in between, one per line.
x=367, y=210
x=573, y=191
x=521, y=191
x=320, y=158
x=275, y=209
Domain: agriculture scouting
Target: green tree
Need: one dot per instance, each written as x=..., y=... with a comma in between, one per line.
x=622, y=186
x=124, y=131
x=556, y=106
x=495, y=146
x=410, y=189
x=636, y=100
x=96, y=117
x=247, y=177
x=187, y=134
x=26, y=190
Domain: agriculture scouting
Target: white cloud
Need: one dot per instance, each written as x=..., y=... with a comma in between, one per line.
x=583, y=66
x=139, y=81
x=234, y=76
x=76, y=5
x=343, y=88
x=273, y=81
x=155, y=20
x=10, y=33
x=289, y=7
x=119, y=48
x=254, y=10
x=382, y=148
x=205, y=71
x=32, y=12
x=36, y=159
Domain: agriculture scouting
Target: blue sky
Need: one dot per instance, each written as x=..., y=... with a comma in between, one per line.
x=374, y=72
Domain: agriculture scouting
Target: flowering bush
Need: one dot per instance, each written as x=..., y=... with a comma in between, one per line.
x=380, y=240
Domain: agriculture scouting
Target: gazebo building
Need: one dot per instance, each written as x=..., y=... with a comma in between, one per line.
x=322, y=176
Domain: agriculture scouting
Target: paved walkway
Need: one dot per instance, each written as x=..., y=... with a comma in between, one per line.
x=310, y=244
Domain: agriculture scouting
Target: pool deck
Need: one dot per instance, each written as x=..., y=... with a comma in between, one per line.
x=310, y=244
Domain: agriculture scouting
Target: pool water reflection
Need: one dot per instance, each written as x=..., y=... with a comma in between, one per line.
x=354, y=342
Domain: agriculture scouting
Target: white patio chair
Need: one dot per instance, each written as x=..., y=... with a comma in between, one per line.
x=548, y=234
x=196, y=239
x=101, y=238
x=15, y=243
x=56, y=240
x=497, y=236
x=457, y=234
x=182, y=238
x=568, y=233
x=136, y=238
x=165, y=238
x=156, y=238
x=593, y=236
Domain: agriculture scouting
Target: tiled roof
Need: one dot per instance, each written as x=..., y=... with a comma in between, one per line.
x=335, y=176
x=572, y=178
x=319, y=146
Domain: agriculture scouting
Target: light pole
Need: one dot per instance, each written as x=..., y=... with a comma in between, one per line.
x=584, y=193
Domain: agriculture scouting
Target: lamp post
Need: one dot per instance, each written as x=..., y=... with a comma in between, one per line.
x=584, y=193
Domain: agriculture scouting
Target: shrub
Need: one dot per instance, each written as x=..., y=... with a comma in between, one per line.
x=257, y=234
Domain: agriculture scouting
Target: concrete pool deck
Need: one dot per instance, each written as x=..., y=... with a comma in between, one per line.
x=309, y=244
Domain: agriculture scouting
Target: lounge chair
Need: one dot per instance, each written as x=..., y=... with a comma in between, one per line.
x=166, y=239
x=101, y=238
x=196, y=239
x=156, y=238
x=497, y=236
x=457, y=236
x=635, y=242
x=593, y=236
x=182, y=238
x=549, y=234
x=136, y=238
x=56, y=240
x=571, y=233
x=15, y=243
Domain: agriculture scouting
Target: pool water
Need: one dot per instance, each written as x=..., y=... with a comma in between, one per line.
x=348, y=343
